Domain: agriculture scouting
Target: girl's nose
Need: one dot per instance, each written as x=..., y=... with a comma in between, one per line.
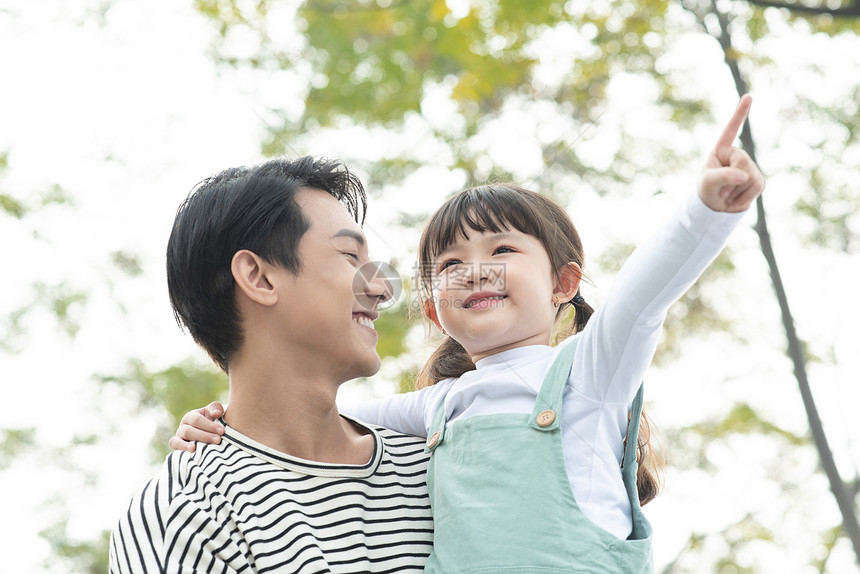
x=477, y=273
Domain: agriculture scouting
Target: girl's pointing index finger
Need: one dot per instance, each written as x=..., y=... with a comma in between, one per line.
x=729, y=134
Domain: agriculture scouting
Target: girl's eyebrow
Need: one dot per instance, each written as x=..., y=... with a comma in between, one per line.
x=487, y=237
x=501, y=235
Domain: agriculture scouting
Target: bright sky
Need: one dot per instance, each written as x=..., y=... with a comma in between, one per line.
x=127, y=117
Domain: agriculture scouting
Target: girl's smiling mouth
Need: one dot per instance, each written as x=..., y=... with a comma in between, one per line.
x=482, y=300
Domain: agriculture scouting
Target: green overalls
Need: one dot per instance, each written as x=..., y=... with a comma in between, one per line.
x=502, y=501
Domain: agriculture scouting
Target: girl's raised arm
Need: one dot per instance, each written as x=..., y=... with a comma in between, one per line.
x=619, y=341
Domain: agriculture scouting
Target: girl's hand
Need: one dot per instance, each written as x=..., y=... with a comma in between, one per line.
x=731, y=181
x=200, y=425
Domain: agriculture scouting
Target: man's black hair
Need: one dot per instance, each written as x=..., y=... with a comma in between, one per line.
x=251, y=208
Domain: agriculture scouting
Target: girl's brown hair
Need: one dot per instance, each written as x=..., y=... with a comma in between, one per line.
x=496, y=208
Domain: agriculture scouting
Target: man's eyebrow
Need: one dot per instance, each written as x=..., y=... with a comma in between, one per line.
x=351, y=233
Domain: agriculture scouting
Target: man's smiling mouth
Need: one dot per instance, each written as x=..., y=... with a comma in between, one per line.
x=363, y=320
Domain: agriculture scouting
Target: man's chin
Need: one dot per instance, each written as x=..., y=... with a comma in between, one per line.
x=366, y=366
x=373, y=368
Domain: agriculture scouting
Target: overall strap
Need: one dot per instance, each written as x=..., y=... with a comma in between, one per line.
x=630, y=469
x=546, y=413
x=632, y=440
x=437, y=427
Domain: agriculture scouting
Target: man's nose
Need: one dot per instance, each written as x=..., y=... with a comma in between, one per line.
x=374, y=284
x=378, y=285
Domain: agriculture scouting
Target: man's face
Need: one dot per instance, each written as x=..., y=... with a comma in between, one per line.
x=322, y=312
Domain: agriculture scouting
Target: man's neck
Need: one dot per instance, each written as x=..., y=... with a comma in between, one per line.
x=293, y=411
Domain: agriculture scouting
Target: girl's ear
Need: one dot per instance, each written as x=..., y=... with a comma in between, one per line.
x=249, y=272
x=430, y=313
x=567, y=281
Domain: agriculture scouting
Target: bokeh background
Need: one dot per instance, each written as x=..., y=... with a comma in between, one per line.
x=111, y=110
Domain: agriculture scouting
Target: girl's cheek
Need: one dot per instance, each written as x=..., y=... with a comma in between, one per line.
x=445, y=299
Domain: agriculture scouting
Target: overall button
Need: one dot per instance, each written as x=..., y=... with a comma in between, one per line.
x=545, y=418
x=434, y=438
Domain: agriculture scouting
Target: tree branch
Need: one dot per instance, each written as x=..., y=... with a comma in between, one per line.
x=841, y=491
x=844, y=11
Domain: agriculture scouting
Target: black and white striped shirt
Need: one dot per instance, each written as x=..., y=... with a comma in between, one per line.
x=242, y=507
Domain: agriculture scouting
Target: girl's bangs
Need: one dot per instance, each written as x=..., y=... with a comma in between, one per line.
x=482, y=209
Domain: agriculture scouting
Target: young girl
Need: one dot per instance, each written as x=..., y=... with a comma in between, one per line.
x=534, y=448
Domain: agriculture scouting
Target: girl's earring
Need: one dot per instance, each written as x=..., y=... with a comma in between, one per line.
x=555, y=302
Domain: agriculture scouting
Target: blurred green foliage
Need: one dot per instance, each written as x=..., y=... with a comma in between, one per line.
x=392, y=326
x=64, y=304
x=78, y=556
x=172, y=391
x=13, y=443
x=374, y=63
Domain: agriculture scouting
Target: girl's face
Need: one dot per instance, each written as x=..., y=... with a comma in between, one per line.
x=493, y=291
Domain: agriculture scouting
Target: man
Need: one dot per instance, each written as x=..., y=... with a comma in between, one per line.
x=261, y=264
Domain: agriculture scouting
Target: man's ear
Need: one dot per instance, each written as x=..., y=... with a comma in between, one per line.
x=567, y=281
x=430, y=313
x=249, y=271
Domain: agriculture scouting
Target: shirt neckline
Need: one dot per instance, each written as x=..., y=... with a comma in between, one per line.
x=304, y=466
x=510, y=355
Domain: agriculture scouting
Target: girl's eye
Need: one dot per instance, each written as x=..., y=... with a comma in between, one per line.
x=503, y=249
x=448, y=263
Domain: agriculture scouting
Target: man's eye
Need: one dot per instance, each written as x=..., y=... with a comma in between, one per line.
x=348, y=254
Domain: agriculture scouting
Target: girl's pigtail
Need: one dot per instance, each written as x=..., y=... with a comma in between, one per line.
x=651, y=464
x=449, y=360
x=584, y=311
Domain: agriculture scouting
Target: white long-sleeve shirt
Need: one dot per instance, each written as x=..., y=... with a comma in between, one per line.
x=612, y=355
